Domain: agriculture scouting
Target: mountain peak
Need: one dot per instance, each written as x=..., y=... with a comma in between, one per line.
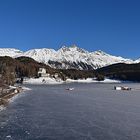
x=76, y=48
x=100, y=52
x=72, y=48
x=64, y=49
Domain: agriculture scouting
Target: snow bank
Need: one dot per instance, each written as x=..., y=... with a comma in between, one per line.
x=42, y=80
x=111, y=81
x=91, y=80
x=88, y=80
x=25, y=88
x=48, y=80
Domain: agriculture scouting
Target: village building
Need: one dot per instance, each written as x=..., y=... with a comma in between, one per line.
x=56, y=75
x=42, y=73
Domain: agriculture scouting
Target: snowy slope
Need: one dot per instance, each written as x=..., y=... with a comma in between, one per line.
x=40, y=55
x=68, y=57
x=137, y=61
x=101, y=59
x=9, y=52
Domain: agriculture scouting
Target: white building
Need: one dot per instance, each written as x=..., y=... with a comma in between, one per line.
x=42, y=73
x=56, y=75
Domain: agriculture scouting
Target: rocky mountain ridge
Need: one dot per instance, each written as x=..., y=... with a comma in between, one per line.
x=69, y=57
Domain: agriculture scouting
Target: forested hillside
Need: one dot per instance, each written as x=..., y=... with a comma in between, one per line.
x=11, y=68
x=122, y=71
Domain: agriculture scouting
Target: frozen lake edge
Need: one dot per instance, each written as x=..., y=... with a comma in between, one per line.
x=90, y=111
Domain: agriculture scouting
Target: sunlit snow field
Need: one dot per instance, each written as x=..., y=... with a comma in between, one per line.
x=89, y=112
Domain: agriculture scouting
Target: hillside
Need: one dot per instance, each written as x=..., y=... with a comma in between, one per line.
x=11, y=68
x=130, y=72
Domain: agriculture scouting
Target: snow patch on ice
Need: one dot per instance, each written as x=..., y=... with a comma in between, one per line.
x=2, y=108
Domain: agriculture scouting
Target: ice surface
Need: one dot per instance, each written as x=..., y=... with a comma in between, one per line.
x=90, y=112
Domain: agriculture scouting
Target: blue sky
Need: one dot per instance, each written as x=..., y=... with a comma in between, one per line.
x=109, y=25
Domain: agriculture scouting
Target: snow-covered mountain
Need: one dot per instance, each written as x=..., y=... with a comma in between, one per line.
x=68, y=57
x=101, y=59
x=10, y=52
x=137, y=61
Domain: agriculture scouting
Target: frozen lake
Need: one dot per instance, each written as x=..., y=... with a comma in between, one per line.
x=89, y=112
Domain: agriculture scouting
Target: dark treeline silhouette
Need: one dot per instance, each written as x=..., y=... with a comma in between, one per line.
x=121, y=71
x=78, y=74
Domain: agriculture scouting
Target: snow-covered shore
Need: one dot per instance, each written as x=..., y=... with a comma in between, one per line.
x=91, y=80
x=42, y=80
x=11, y=96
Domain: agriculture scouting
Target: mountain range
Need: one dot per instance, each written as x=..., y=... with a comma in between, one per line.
x=69, y=57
